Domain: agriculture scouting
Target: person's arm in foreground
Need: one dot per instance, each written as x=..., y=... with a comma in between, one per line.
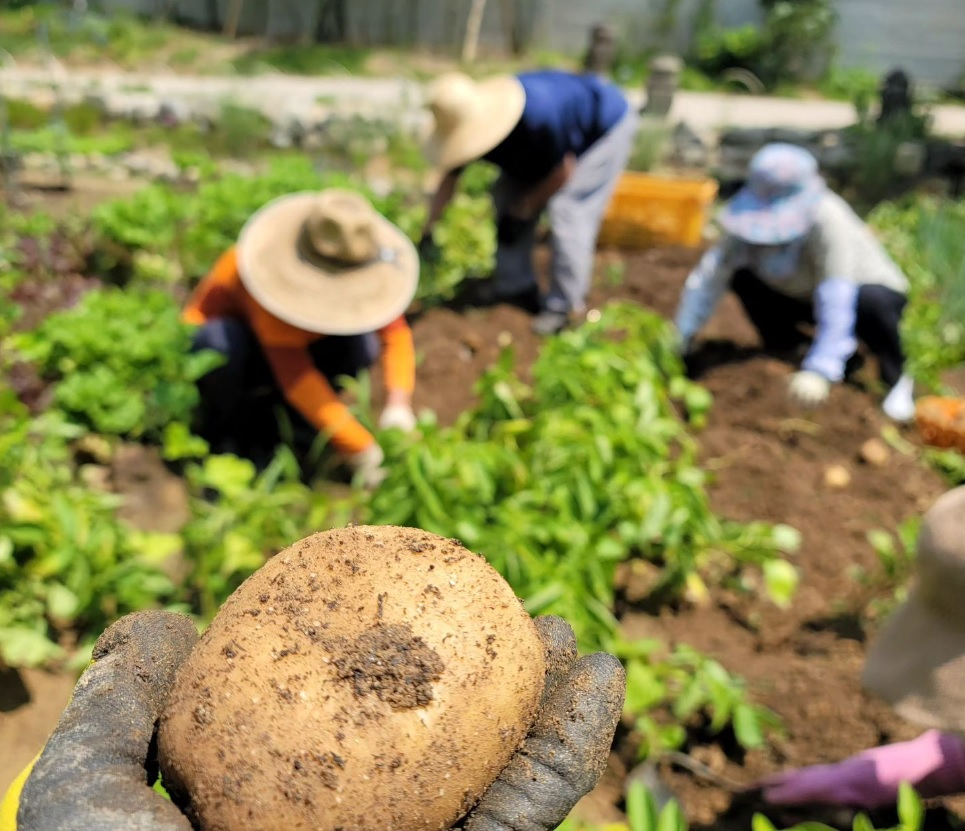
x=934, y=764
x=535, y=198
x=309, y=392
x=97, y=768
x=213, y=297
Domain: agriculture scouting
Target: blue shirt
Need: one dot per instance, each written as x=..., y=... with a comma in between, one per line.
x=564, y=113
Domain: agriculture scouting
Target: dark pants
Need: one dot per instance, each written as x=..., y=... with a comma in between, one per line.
x=240, y=398
x=777, y=317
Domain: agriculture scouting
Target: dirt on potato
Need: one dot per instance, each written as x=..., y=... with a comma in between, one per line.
x=391, y=662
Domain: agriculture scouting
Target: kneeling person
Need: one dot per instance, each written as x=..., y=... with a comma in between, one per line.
x=794, y=252
x=316, y=285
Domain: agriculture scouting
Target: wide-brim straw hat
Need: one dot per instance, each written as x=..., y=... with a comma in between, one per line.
x=917, y=663
x=471, y=117
x=780, y=200
x=327, y=262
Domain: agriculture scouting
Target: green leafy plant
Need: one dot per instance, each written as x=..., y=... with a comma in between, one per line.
x=240, y=517
x=642, y=815
x=66, y=562
x=667, y=694
x=911, y=817
x=924, y=238
x=793, y=43
x=950, y=463
x=190, y=230
x=558, y=482
x=876, y=175
x=650, y=144
x=308, y=59
x=896, y=555
x=853, y=84
x=121, y=360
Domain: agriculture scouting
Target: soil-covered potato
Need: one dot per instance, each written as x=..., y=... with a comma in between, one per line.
x=364, y=678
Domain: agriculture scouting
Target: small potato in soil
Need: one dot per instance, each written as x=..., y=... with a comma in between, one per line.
x=364, y=678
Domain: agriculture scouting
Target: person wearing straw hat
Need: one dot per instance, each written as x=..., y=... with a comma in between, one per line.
x=795, y=253
x=561, y=142
x=917, y=665
x=317, y=283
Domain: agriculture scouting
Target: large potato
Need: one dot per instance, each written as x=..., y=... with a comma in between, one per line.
x=364, y=678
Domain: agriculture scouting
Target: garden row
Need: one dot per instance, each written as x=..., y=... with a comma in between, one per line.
x=557, y=481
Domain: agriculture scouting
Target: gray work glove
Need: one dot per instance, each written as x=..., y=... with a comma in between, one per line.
x=95, y=768
x=399, y=417
x=566, y=751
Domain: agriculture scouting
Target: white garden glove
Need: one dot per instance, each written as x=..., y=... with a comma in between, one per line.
x=809, y=389
x=899, y=404
x=367, y=466
x=399, y=416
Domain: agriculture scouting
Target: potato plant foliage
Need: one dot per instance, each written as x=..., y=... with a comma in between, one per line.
x=925, y=238
x=121, y=361
x=559, y=482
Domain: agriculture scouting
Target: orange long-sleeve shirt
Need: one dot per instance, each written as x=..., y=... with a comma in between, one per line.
x=221, y=294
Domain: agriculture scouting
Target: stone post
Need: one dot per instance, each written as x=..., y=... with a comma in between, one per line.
x=896, y=97
x=662, y=84
x=602, y=50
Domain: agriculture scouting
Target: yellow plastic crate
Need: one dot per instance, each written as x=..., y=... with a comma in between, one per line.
x=648, y=210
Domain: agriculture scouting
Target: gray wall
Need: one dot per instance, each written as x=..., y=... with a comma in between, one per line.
x=927, y=37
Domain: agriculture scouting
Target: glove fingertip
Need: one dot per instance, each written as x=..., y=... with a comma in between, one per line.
x=171, y=631
x=558, y=638
x=603, y=673
x=584, y=710
x=559, y=644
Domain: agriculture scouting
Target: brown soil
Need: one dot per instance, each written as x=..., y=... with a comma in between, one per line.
x=770, y=462
x=392, y=662
x=40, y=192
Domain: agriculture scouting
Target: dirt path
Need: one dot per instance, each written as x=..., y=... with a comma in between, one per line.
x=277, y=95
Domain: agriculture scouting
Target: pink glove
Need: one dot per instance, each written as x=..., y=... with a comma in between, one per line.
x=934, y=764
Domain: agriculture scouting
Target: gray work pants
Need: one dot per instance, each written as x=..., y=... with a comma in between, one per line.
x=575, y=213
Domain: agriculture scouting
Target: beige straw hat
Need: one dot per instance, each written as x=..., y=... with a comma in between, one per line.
x=471, y=117
x=917, y=663
x=327, y=262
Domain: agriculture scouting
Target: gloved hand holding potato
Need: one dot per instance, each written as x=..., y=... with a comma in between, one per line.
x=364, y=678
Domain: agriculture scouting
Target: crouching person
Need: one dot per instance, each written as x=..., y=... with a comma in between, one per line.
x=314, y=289
x=795, y=253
